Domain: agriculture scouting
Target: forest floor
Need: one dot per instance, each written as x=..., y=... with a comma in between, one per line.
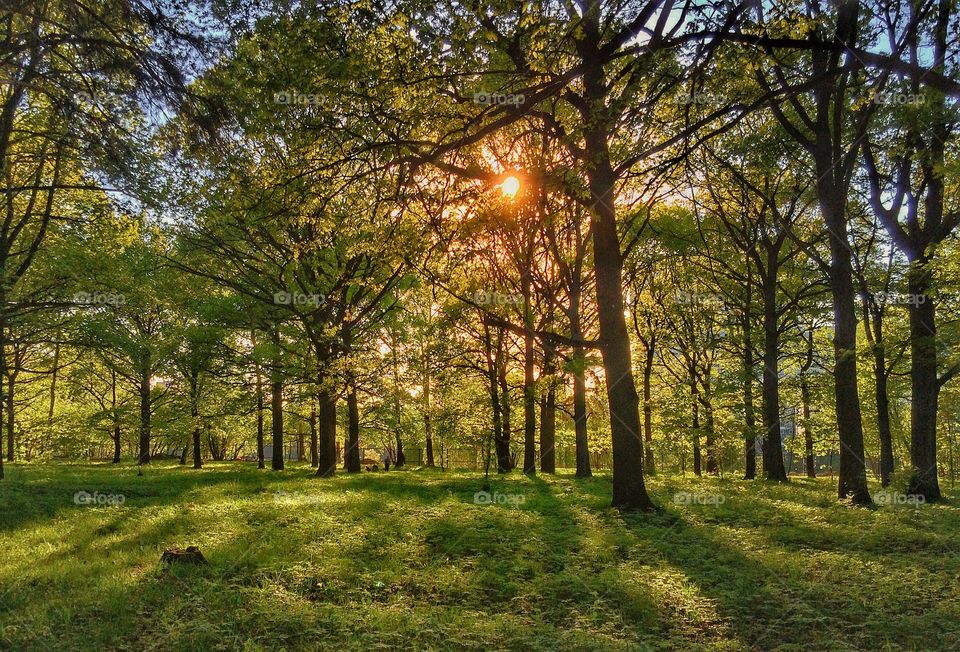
x=409, y=560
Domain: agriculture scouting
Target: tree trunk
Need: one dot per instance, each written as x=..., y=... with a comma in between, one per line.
x=649, y=463
x=505, y=404
x=873, y=328
x=11, y=415
x=397, y=413
x=260, y=405
x=582, y=446
x=427, y=414
x=276, y=403
x=810, y=459
x=145, y=408
x=773, y=467
x=53, y=388
x=314, y=446
x=695, y=401
x=853, y=473
x=501, y=446
x=749, y=411
x=352, y=455
x=629, y=490
x=529, y=392
x=924, y=383
x=327, y=417
x=548, y=418
x=195, y=416
x=115, y=416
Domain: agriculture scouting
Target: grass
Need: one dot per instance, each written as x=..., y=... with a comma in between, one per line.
x=406, y=560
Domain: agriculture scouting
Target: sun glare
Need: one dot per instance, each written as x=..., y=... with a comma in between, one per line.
x=510, y=187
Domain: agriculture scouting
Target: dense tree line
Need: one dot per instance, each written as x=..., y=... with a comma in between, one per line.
x=665, y=231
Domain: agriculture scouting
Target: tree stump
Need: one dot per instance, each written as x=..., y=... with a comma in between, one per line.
x=176, y=555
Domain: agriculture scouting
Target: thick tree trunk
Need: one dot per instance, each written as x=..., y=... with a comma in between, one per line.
x=924, y=383
x=853, y=474
x=629, y=490
x=581, y=442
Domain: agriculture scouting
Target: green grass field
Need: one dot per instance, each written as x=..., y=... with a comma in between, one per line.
x=407, y=560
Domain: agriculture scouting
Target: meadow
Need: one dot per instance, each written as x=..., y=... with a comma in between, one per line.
x=418, y=559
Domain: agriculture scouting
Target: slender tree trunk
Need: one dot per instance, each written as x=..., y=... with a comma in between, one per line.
x=115, y=415
x=695, y=402
x=649, y=463
x=529, y=393
x=397, y=413
x=501, y=446
x=582, y=447
x=807, y=429
x=11, y=414
x=773, y=467
x=276, y=403
x=548, y=417
x=749, y=411
x=428, y=414
x=195, y=417
x=352, y=461
x=873, y=328
x=260, y=405
x=505, y=403
x=145, y=408
x=53, y=388
x=314, y=445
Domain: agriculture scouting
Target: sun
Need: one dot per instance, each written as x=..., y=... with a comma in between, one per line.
x=510, y=187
